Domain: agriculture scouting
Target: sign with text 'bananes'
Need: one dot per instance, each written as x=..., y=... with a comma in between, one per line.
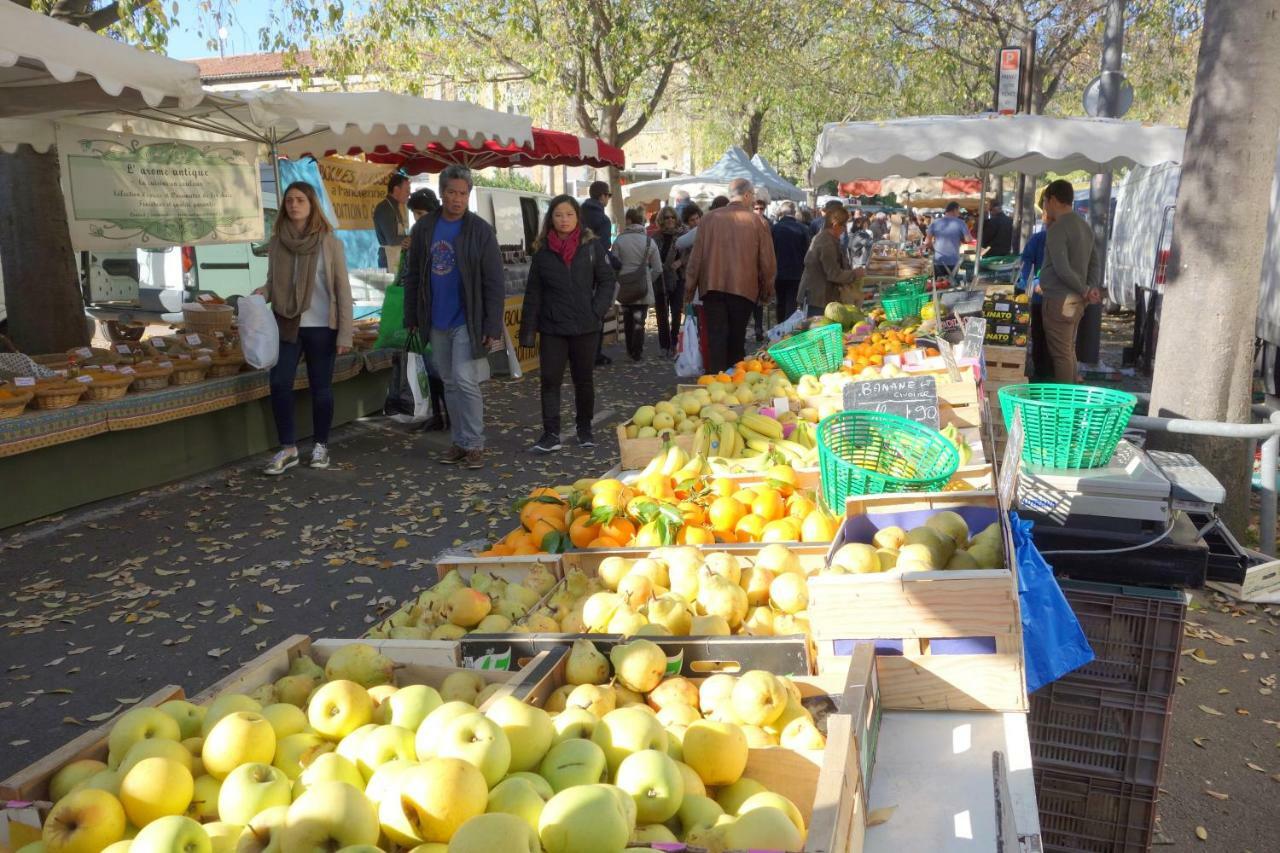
x=914, y=397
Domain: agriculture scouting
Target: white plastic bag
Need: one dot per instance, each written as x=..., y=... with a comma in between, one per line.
x=689, y=360
x=259, y=334
x=416, y=376
x=787, y=326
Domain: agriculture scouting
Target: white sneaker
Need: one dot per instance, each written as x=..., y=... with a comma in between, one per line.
x=281, y=462
x=319, y=456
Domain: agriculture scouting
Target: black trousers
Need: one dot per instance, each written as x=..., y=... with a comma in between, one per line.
x=786, y=290
x=758, y=314
x=727, y=315
x=1041, y=361
x=633, y=320
x=668, y=308
x=579, y=352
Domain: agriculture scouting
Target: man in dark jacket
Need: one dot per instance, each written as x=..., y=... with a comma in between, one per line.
x=997, y=231
x=454, y=288
x=388, y=220
x=594, y=217
x=790, y=243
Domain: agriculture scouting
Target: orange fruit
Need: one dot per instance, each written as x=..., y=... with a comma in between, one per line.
x=648, y=536
x=608, y=484
x=768, y=504
x=525, y=551
x=745, y=495
x=604, y=542
x=693, y=513
x=534, y=510
x=542, y=526
x=750, y=528
x=723, y=487
x=781, y=530
x=818, y=526
x=516, y=538
x=706, y=379
x=544, y=492
x=694, y=535
x=783, y=478
x=612, y=500
x=725, y=513
x=582, y=531
x=620, y=530
x=799, y=506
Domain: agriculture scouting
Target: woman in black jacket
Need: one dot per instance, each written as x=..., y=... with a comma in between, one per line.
x=569, y=290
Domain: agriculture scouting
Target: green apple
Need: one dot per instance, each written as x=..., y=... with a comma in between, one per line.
x=329, y=816
x=529, y=730
x=71, y=775
x=495, y=833
x=349, y=746
x=584, y=819
x=223, y=836
x=697, y=812
x=383, y=782
x=573, y=723
x=172, y=834
x=770, y=799
x=432, y=800
x=103, y=780
x=121, y=846
x=759, y=697
x=240, y=737
x=338, y=708
x=204, y=798
x=573, y=762
x=477, y=739
x=435, y=723
x=766, y=828
x=383, y=744
x=627, y=730
x=139, y=724
x=285, y=719
x=716, y=751
x=155, y=748
x=330, y=767
x=654, y=833
x=540, y=784
x=654, y=781
x=225, y=704
x=295, y=752
x=410, y=705
x=731, y=797
x=189, y=717
x=250, y=789
x=516, y=796
x=692, y=781
x=262, y=835
x=83, y=821
x=156, y=788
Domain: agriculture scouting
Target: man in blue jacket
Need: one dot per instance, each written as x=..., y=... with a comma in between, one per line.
x=454, y=288
x=790, y=243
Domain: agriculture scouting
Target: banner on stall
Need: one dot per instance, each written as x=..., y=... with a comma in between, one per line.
x=126, y=191
x=355, y=188
x=512, y=312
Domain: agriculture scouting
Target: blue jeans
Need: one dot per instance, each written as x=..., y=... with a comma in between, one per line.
x=320, y=346
x=462, y=375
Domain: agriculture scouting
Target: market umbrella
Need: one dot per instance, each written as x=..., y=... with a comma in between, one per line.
x=734, y=164
x=548, y=148
x=988, y=144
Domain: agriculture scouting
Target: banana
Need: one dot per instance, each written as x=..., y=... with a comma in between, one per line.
x=654, y=464
x=767, y=427
x=720, y=466
x=791, y=447
x=749, y=434
x=699, y=436
x=729, y=443
x=760, y=444
x=676, y=459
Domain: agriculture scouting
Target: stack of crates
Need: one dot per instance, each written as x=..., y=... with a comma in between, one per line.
x=1098, y=736
x=1002, y=366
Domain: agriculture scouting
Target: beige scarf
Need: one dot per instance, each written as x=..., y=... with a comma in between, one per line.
x=293, y=275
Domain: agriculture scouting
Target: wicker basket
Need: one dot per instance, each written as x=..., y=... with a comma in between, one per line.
x=189, y=372
x=58, y=395
x=13, y=402
x=226, y=365
x=151, y=377
x=99, y=356
x=55, y=360
x=208, y=318
x=109, y=386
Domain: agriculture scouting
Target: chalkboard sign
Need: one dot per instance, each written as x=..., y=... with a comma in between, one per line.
x=914, y=397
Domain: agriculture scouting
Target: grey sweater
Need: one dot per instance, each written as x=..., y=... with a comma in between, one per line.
x=1072, y=262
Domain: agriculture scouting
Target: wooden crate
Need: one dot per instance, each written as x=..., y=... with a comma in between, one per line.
x=948, y=640
x=1005, y=364
x=635, y=453
x=32, y=782
x=812, y=555
x=512, y=569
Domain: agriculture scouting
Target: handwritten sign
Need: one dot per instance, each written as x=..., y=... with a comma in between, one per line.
x=975, y=332
x=1007, y=487
x=159, y=343
x=914, y=397
x=193, y=340
x=949, y=359
x=25, y=381
x=124, y=349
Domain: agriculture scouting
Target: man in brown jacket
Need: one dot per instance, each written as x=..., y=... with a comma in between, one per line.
x=732, y=267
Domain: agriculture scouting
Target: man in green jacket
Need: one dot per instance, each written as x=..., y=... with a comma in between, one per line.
x=1070, y=279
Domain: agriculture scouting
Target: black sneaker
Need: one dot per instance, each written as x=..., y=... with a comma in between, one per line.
x=547, y=444
x=585, y=440
x=602, y=360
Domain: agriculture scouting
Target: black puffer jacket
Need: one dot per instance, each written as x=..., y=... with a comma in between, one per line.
x=567, y=300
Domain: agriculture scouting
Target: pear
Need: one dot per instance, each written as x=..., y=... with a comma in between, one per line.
x=638, y=665
x=585, y=664
x=304, y=665
x=962, y=560
x=950, y=524
x=892, y=538
x=595, y=698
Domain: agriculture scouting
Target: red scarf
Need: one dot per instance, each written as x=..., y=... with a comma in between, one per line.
x=566, y=247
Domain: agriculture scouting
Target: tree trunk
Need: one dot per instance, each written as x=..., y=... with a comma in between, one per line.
x=751, y=132
x=1203, y=366
x=41, y=287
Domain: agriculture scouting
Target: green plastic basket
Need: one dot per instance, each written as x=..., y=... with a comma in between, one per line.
x=815, y=352
x=908, y=286
x=898, y=307
x=1067, y=426
x=869, y=453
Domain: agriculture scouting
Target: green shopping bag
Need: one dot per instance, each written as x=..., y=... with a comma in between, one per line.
x=391, y=331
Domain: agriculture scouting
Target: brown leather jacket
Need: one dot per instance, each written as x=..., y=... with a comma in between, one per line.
x=733, y=253
x=827, y=276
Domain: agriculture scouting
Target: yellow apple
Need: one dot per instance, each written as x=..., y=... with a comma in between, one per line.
x=156, y=788
x=285, y=719
x=529, y=731
x=250, y=789
x=329, y=816
x=226, y=704
x=338, y=708
x=432, y=801
x=172, y=834
x=477, y=739
x=71, y=775
x=716, y=751
x=139, y=724
x=584, y=819
x=490, y=833
x=83, y=821
x=189, y=717
x=240, y=737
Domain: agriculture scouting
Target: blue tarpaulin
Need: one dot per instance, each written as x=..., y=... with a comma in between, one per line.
x=361, y=246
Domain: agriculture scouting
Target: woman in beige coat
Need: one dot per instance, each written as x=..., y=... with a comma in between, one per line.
x=827, y=276
x=310, y=295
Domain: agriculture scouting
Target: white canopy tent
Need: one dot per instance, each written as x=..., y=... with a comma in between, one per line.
x=988, y=144
x=714, y=181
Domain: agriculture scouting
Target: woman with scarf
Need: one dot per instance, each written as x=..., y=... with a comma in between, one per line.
x=309, y=292
x=569, y=290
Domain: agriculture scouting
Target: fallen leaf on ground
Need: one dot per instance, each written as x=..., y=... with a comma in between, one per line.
x=1213, y=711
x=1202, y=833
x=1200, y=742
x=1217, y=795
x=1253, y=766
x=879, y=816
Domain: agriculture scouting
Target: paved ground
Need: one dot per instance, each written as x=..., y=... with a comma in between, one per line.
x=182, y=584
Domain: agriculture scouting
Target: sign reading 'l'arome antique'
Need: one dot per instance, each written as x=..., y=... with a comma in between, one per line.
x=127, y=191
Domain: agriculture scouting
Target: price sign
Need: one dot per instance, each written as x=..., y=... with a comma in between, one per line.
x=87, y=380
x=84, y=352
x=124, y=349
x=159, y=343
x=914, y=397
x=110, y=368
x=129, y=371
x=193, y=340
x=1007, y=487
x=166, y=364
x=949, y=359
x=975, y=332
x=25, y=381
x=183, y=357
x=204, y=359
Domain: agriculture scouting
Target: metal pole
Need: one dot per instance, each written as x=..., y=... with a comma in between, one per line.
x=1267, y=508
x=1025, y=205
x=982, y=203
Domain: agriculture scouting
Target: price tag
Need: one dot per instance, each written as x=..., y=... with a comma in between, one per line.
x=84, y=352
x=894, y=359
x=110, y=368
x=128, y=371
x=914, y=397
x=204, y=359
x=949, y=359
x=87, y=380
x=913, y=357
x=124, y=349
x=1007, y=487
x=166, y=364
x=183, y=357
x=25, y=381
x=193, y=340
x=975, y=331
x=61, y=372
x=159, y=343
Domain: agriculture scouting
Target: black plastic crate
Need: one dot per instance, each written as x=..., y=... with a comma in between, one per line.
x=1079, y=813
x=1164, y=564
x=1228, y=561
x=1109, y=734
x=1136, y=635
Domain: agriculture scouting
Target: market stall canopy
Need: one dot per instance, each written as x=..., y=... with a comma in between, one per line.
x=548, y=148
x=763, y=165
x=714, y=181
x=997, y=144
x=48, y=67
